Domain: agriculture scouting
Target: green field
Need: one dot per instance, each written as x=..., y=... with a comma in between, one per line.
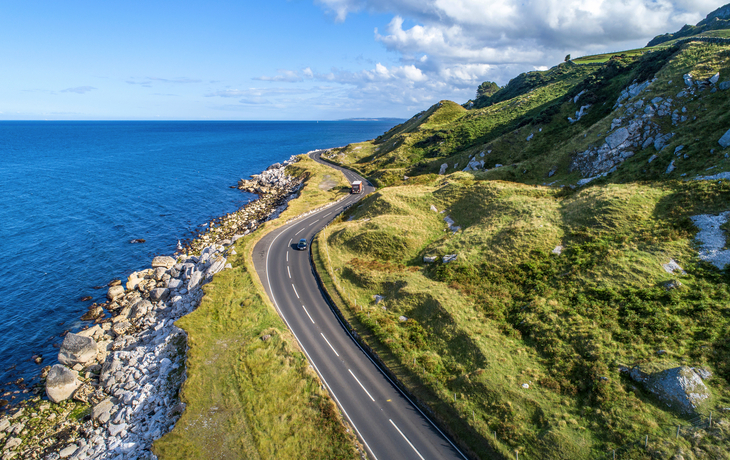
x=465, y=337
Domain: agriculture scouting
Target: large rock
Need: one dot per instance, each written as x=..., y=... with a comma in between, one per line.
x=618, y=137
x=102, y=411
x=115, y=292
x=61, y=383
x=443, y=169
x=194, y=280
x=140, y=309
x=77, y=349
x=174, y=283
x=133, y=280
x=679, y=387
x=163, y=261
x=159, y=294
x=725, y=139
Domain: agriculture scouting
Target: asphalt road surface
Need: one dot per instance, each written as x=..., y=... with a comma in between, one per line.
x=385, y=420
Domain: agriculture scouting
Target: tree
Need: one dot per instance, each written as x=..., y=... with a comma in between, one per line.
x=567, y=58
x=486, y=89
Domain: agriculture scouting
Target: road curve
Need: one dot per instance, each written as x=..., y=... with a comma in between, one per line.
x=385, y=420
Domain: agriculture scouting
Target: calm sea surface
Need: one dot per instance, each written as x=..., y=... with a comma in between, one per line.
x=73, y=194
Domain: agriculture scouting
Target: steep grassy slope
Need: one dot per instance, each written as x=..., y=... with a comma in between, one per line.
x=570, y=189
x=531, y=138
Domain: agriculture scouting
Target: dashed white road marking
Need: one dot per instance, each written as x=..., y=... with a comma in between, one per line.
x=329, y=213
x=300, y=231
x=404, y=437
x=313, y=223
x=287, y=254
x=361, y=385
x=289, y=271
x=295, y=290
x=310, y=316
x=328, y=343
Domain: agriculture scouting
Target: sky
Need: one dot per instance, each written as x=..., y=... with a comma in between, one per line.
x=296, y=59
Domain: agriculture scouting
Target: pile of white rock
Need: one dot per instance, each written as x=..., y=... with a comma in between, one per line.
x=134, y=393
x=267, y=182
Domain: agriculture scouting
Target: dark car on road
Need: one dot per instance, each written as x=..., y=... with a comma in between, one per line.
x=302, y=245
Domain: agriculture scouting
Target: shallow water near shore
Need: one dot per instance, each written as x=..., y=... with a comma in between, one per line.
x=74, y=194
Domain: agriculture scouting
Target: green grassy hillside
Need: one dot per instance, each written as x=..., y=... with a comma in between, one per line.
x=561, y=229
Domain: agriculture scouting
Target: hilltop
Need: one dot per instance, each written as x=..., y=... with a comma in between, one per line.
x=716, y=24
x=539, y=264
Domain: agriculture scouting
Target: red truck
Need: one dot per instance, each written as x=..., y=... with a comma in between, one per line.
x=356, y=187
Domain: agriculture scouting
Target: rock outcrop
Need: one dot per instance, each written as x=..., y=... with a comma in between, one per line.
x=679, y=387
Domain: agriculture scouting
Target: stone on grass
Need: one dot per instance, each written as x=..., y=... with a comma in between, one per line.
x=443, y=169
x=61, y=383
x=449, y=258
x=429, y=259
x=77, y=349
x=679, y=387
x=378, y=298
x=725, y=85
x=163, y=261
x=402, y=319
x=558, y=250
x=725, y=139
x=672, y=266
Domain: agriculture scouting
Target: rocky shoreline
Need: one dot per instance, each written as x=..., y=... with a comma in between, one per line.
x=116, y=386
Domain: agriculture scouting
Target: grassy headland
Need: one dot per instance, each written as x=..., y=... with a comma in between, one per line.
x=250, y=392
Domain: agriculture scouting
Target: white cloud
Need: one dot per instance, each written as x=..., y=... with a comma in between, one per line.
x=469, y=40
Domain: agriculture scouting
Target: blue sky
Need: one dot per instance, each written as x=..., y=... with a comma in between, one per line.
x=298, y=59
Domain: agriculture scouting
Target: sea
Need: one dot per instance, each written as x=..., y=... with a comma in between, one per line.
x=74, y=194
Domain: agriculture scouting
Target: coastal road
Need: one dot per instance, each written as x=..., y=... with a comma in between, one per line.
x=385, y=420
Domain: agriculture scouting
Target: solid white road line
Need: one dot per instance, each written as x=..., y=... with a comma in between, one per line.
x=404, y=437
x=300, y=231
x=332, y=392
x=310, y=316
x=361, y=385
x=288, y=271
x=328, y=343
x=295, y=291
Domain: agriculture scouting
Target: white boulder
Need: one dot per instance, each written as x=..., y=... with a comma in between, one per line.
x=61, y=383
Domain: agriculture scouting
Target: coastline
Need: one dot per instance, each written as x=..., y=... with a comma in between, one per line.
x=117, y=384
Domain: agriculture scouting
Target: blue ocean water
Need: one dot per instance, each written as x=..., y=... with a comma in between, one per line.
x=73, y=195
